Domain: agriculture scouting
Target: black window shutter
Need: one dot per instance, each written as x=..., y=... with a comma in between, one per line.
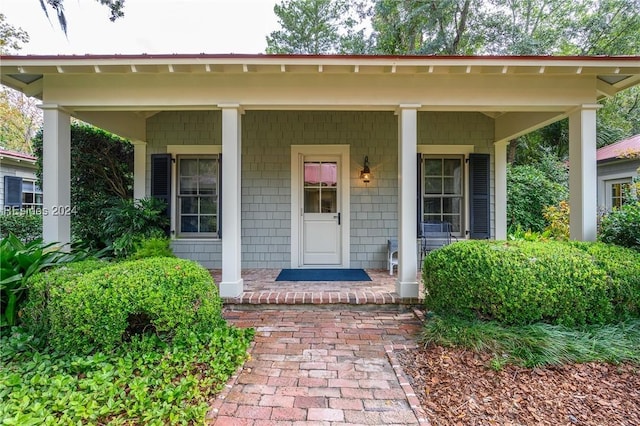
x=479, y=184
x=13, y=191
x=419, y=195
x=220, y=196
x=161, y=180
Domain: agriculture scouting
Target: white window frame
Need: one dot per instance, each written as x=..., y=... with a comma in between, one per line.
x=451, y=151
x=190, y=151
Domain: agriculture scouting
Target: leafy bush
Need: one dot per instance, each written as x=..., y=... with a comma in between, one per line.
x=529, y=191
x=100, y=309
x=101, y=174
x=131, y=221
x=25, y=225
x=558, y=219
x=153, y=247
x=35, y=316
x=144, y=381
x=623, y=267
x=622, y=226
x=18, y=262
x=523, y=282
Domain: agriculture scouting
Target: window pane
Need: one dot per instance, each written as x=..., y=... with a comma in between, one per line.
x=208, y=185
x=432, y=205
x=311, y=174
x=450, y=186
x=432, y=217
x=433, y=186
x=188, y=167
x=27, y=198
x=452, y=167
x=207, y=167
x=208, y=224
x=433, y=167
x=188, y=186
x=312, y=200
x=189, y=205
x=329, y=200
x=329, y=174
x=451, y=205
x=27, y=186
x=454, y=220
x=208, y=205
x=189, y=224
x=38, y=198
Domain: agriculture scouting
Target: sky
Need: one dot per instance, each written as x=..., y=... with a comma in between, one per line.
x=148, y=26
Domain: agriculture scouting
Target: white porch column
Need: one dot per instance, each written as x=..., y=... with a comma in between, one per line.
x=56, y=175
x=407, y=285
x=232, y=284
x=501, y=189
x=583, y=173
x=139, y=169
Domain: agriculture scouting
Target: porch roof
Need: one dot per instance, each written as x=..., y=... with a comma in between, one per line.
x=119, y=92
x=614, y=73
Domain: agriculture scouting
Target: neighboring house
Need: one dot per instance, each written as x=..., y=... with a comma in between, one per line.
x=260, y=157
x=618, y=164
x=18, y=189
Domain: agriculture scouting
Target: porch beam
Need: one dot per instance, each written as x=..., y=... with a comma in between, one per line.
x=583, y=173
x=56, y=175
x=407, y=285
x=232, y=284
x=511, y=125
x=501, y=190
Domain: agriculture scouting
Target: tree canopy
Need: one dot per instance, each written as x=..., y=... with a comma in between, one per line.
x=57, y=6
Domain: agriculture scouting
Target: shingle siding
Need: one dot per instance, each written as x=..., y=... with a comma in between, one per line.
x=266, y=172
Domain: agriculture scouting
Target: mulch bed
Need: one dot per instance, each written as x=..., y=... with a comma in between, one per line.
x=458, y=387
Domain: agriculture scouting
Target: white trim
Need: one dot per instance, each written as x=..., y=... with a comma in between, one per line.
x=298, y=152
x=446, y=149
x=604, y=201
x=193, y=149
x=176, y=150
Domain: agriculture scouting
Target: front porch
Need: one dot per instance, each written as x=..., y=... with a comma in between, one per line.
x=261, y=288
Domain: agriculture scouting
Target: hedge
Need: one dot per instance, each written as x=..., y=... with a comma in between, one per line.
x=524, y=282
x=99, y=309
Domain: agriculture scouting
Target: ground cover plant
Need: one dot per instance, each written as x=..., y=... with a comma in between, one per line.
x=144, y=381
x=132, y=342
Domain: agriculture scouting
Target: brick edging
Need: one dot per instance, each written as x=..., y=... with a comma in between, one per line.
x=405, y=384
x=216, y=403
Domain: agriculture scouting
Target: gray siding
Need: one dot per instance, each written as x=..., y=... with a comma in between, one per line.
x=266, y=172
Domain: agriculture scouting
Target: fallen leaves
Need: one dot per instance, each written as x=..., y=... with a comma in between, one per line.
x=457, y=387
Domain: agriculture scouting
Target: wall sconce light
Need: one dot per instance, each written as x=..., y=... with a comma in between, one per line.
x=365, y=174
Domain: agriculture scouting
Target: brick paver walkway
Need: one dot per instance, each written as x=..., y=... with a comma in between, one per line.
x=320, y=366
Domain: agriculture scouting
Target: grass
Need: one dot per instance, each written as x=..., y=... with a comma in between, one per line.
x=537, y=344
x=144, y=381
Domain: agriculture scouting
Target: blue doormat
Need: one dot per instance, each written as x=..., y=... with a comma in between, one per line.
x=323, y=275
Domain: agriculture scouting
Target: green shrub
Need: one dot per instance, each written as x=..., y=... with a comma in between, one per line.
x=153, y=247
x=622, y=265
x=35, y=316
x=622, y=226
x=18, y=262
x=100, y=309
x=524, y=282
x=25, y=225
x=529, y=192
x=131, y=221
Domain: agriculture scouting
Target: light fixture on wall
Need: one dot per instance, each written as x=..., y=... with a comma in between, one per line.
x=365, y=174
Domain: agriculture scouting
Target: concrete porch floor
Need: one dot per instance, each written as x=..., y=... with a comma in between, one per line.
x=261, y=288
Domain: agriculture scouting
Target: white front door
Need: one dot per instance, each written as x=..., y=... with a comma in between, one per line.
x=320, y=194
x=321, y=214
